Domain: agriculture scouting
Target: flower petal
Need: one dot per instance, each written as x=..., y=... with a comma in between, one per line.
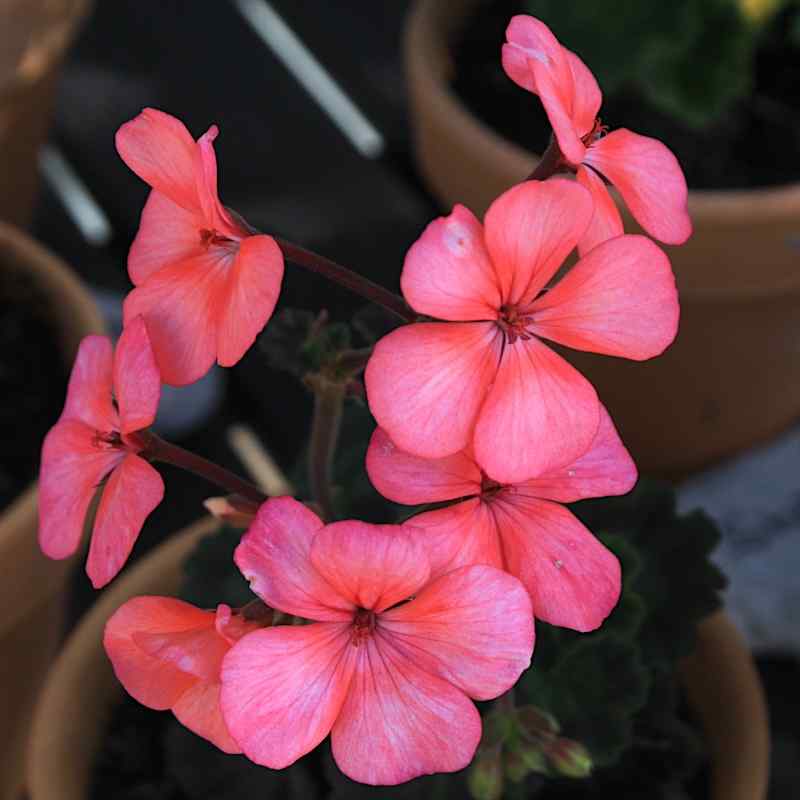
x=605, y=469
x=650, y=180
x=71, y=471
x=586, y=95
x=274, y=556
x=447, y=272
x=540, y=415
x=251, y=292
x=372, y=566
x=206, y=173
x=180, y=305
x=199, y=710
x=473, y=627
x=573, y=580
x=426, y=382
x=529, y=38
x=159, y=149
x=530, y=230
x=137, y=382
x=134, y=489
x=283, y=688
x=606, y=222
x=89, y=390
x=620, y=299
x=409, y=479
x=399, y=721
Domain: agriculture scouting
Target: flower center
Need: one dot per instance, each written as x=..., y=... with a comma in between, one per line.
x=598, y=131
x=364, y=622
x=107, y=440
x=514, y=323
x=489, y=486
x=209, y=236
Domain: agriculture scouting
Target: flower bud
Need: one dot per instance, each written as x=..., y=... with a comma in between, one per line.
x=535, y=724
x=569, y=758
x=485, y=778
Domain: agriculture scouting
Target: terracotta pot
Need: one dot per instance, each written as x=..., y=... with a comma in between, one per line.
x=34, y=35
x=720, y=679
x=30, y=584
x=732, y=377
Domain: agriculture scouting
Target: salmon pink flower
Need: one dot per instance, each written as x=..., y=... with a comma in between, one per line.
x=483, y=378
x=644, y=170
x=206, y=284
x=168, y=654
x=94, y=444
x=572, y=579
x=391, y=659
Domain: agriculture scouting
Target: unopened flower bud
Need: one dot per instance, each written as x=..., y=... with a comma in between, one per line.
x=514, y=766
x=532, y=757
x=569, y=758
x=485, y=779
x=535, y=723
x=233, y=510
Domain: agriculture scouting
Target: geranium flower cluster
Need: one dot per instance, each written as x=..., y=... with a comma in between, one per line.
x=382, y=635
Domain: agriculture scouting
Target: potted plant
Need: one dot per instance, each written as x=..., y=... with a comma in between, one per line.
x=714, y=392
x=46, y=312
x=478, y=504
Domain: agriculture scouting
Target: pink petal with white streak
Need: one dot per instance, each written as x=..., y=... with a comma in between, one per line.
x=89, y=390
x=137, y=382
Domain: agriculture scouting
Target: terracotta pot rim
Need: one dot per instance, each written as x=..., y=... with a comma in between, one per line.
x=428, y=59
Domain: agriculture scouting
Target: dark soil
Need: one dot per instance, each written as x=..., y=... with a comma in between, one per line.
x=756, y=143
x=33, y=380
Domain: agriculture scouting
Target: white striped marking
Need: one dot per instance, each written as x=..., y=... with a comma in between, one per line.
x=314, y=78
x=74, y=194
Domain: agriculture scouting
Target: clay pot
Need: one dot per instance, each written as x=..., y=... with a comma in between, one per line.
x=732, y=377
x=30, y=584
x=34, y=35
x=720, y=680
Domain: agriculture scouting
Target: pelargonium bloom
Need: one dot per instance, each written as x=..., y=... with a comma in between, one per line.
x=206, y=284
x=482, y=377
x=168, y=655
x=391, y=660
x=94, y=443
x=643, y=169
x=573, y=580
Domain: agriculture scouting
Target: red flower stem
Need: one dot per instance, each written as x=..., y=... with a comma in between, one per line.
x=549, y=164
x=328, y=402
x=156, y=449
x=347, y=278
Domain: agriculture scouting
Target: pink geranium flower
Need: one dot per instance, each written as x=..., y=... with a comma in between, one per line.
x=206, y=284
x=94, y=444
x=644, y=170
x=168, y=654
x=391, y=660
x=483, y=378
x=573, y=580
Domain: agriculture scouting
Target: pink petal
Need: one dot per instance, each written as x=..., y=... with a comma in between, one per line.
x=619, y=299
x=89, y=390
x=586, y=97
x=530, y=230
x=572, y=579
x=274, y=556
x=372, y=566
x=252, y=288
x=134, y=489
x=180, y=305
x=137, y=383
x=283, y=688
x=650, y=180
x=605, y=469
x=206, y=172
x=540, y=415
x=606, y=222
x=167, y=235
x=409, y=479
x=399, y=721
x=199, y=710
x=447, y=272
x=159, y=149
x=473, y=627
x=459, y=535
x=426, y=382
x=71, y=471
x=528, y=38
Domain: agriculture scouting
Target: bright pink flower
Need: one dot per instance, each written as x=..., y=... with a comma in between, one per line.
x=572, y=579
x=168, y=655
x=644, y=170
x=94, y=444
x=391, y=660
x=206, y=283
x=484, y=378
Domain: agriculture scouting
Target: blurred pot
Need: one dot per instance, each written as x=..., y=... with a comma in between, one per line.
x=31, y=586
x=34, y=35
x=732, y=377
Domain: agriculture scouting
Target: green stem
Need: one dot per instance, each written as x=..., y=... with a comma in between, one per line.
x=328, y=404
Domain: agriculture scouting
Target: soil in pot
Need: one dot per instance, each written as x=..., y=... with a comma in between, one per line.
x=734, y=152
x=33, y=379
